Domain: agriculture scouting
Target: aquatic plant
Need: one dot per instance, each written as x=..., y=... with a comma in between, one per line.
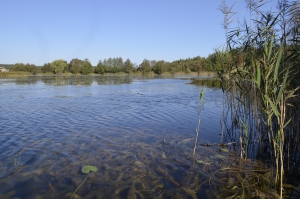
x=85, y=169
x=18, y=160
x=202, y=102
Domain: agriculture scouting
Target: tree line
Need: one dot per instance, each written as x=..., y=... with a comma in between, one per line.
x=213, y=62
x=118, y=65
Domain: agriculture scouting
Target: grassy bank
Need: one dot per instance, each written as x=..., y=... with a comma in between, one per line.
x=13, y=74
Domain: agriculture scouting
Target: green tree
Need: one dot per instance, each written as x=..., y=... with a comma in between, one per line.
x=25, y=68
x=128, y=66
x=167, y=66
x=113, y=65
x=75, y=66
x=30, y=68
x=59, y=65
x=152, y=63
x=100, y=69
x=117, y=64
x=47, y=68
x=145, y=66
x=108, y=63
x=158, y=68
x=86, y=67
x=18, y=67
x=186, y=69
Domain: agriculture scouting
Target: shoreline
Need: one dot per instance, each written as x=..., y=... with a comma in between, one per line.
x=209, y=74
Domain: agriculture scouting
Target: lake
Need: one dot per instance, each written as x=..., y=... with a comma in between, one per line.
x=138, y=132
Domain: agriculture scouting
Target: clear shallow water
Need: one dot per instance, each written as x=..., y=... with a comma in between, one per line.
x=52, y=126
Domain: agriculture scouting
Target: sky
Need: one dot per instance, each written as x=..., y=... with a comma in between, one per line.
x=41, y=31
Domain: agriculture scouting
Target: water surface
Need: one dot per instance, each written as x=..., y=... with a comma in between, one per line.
x=138, y=132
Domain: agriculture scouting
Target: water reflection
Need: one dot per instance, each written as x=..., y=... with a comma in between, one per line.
x=64, y=81
x=27, y=80
x=106, y=80
x=75, y=80
x=212, y=83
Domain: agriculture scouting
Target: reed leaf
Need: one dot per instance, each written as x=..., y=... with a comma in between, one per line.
x=260, y=5
x=282, y=87
x=291, y=94
x=270, y=50
x=266, y=50
x=286, y=123
x=258, y=76
x=273, y=106
x=279, y=55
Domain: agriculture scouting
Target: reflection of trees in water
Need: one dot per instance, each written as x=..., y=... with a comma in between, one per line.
x=27, y=80
x=86, y=81
x=101, y=80
x=213, y=83
x=77, y=80
x=64, y=81
x=111, y=80
x=55, y=81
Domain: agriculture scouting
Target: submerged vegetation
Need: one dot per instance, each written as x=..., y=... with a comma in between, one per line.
x=259, y=74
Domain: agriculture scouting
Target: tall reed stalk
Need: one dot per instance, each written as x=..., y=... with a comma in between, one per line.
x=201, y=101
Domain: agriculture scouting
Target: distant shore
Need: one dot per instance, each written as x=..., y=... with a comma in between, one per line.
x=137, y=74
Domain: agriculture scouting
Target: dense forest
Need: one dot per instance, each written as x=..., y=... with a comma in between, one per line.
x=118, y=65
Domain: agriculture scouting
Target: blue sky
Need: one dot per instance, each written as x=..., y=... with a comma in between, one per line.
x=41, y=31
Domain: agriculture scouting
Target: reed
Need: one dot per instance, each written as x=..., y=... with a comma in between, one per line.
x=202, y=102
x=259, y=71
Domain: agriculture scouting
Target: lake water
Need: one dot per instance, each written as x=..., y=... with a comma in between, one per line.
x=138, y=132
